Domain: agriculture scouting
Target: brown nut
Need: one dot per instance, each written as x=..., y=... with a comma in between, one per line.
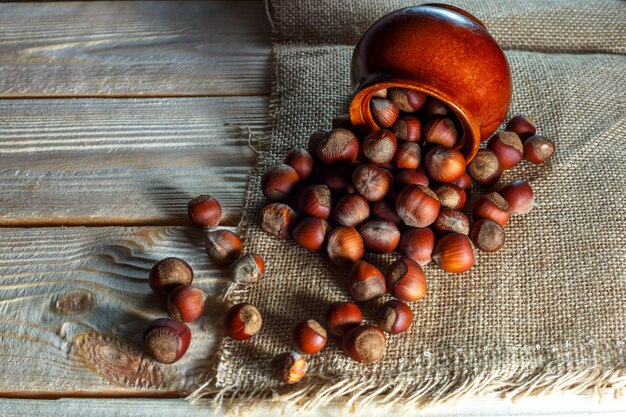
x=311, y=233
x=302, y=162
x=522, y=125
x=418, y=244
x=338, y=180
x=341, y=317
x=440, y=131
x=371, y=182
x=417, y=206
x=406, y=280
x=351, y=210
x=408, y=155
x=435, y=107
x=278, y=220
x=408, y=128
x=379, y=147
x=366, y=344
x=314, y=141
x=380, y=236
x=485, y=168
x=450, y=220
x=451, y=196
x=385, y=113
x=166, y=340
x=289, y=367
x=365, y=282
x=242, y=321
x=464, y=181
x=508, y=148
x=168, y=274
x=444, y=164
x=278, y=182
x=186, y=303
x=385, y=210
x=344, y=246
x=339, y=146
x=248, y=269
x=394, y=317
x=454, y=253
x=493, y=207
x=411, y=177
x=538, y=149
x=222, y=246
x=204, y=211
x=408, y=101
x=316, y=201
x=487, y=235
x=308, y=337
x=519, y=195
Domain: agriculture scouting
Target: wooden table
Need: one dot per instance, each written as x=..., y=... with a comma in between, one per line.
x=112, y=116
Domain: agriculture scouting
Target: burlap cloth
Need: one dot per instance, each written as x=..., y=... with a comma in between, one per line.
x=548, y=311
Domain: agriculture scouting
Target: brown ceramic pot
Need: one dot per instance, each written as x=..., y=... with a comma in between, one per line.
x=442, y=51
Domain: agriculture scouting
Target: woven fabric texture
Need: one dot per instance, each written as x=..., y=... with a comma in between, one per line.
x=547, y=312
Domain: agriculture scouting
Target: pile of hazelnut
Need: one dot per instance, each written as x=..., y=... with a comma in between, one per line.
x=401, y=188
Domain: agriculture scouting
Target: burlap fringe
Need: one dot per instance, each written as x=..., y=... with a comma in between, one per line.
x=354, y=394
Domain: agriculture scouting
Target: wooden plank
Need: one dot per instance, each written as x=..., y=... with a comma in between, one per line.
x=561, y=404
x=154, y=48
x=74, y=303
x=124, y=161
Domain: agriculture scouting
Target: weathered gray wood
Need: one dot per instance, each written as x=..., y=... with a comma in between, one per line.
x=134, y=49
x=75, y=301
x=124, y=161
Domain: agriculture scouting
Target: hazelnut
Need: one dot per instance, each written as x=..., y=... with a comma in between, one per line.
x=222, y=246
x=204, y=211
x=351, y=210
x=450, y=220
x=379, y=147
x=451, y=196
x=417, y=206
x=278, y=220
x=366, y=344
x=302, y=162
x=365, y=282
x=248, y=269
x=385, y=210
x=342, y=317
x=311, y=233
x=538, y=149
x=493, y=207
x=487, y=235
x=408, y=155
x=344, y=246
x=371, y=182
x=289, y=367
x=454, y=253
x=406, y=280
x=339, y=146
x=309, y=337
x=394, y=317
x=408, y=101
x=168, y=274
x=485, y=168
x=408, y=128
x=440, y=131
x=338, y=180
x=242, y=321
x=186, y=303
x=411, y=177
x=166, y=340
x=444, y=164
x=418, y=244
x=314, y=141
x=384, y=112
x=519, y=195
x=508, y=148
x=380, y=236
x=316, y=201
x=278, y=182
x=464, y=181
x=382, y=93
x=435, y=107
x=522, y=125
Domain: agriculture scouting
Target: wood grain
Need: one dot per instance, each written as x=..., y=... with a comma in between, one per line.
x=93, y=348
x=134, y=49
x=124, y=161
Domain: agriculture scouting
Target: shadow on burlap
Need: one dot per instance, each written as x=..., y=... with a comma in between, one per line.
x=548, y=311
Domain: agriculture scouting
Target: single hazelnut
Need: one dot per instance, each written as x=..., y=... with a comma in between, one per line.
x=380, y=236
x=454, y=253
x=278, y=182
x=493, y=207
x=366, y=344
x=316, y=201
x=485, y=168
x=394, y=317
x=186, y=303
x=338, y=180
x=538, y=149
x=522, y=125
x=406, y=280
x=344, y=246
x=314, y=141
x=168, y=274
x=222, y=246
x=418, y=244
x=411, y=177
x=508, y=148
x=435, y=107
x=519, y=195
x=166, y=340
x=444, y=164
x=451, y=196
x=384, y=112
x=382, y=93
x=450, y=220
x=408, y=101
x=379, y=147
x=289, y=367
x=341, y=317
x=371, y=182
x=351, y=210
x=464, y=181
x=242, y=321
x=342, y=122
x=408, y=155
x=440, y=131
x=339, y=146
x=487, y=235
x=417, y=206
x=385, y=209
x=408, y=128
x=365, y=282
x=248, y=269
x=311, y=233
x=204, y=211
x=278, y=220
x=302, y=162
x=308, y=337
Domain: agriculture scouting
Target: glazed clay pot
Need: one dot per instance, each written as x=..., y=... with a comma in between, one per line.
x=442, y=51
